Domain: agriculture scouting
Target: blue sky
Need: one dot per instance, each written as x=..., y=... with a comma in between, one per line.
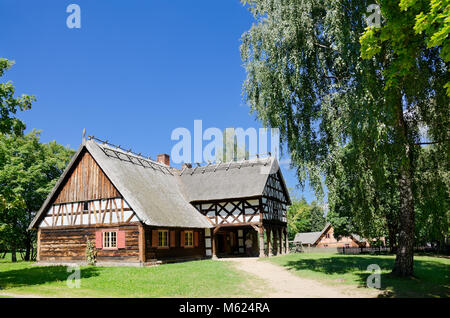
x=135, y=70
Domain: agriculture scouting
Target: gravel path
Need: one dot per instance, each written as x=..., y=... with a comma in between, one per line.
x=282, y=283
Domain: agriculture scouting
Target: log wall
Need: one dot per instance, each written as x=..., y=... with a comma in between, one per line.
x=175, y=250
x=69, y=244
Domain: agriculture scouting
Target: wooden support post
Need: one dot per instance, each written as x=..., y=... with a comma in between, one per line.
x=280, y=241
x=141, y=244
x=261, y=242
x=213, y=244
x=286, y=241
x=38, y=253
x=275, y=241
x=269, y=241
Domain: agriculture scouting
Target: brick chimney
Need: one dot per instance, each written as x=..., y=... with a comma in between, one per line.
x=164, y=159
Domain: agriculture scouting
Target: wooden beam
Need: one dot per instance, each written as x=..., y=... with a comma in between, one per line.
x=216, y=229
x=261, y=242
x=141, y=243
x=213, y=245
x=38, y=253
x=269, y=242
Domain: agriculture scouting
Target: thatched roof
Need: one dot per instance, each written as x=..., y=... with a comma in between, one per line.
x=235, y=179
x=151, y=189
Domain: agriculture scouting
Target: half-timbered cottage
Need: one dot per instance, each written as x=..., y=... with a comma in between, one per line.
x=140, y=211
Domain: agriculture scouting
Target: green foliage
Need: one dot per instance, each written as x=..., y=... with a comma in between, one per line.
x=413, y=27
x=304, y=217
x=91, y=252
x=10, y=104
x=363, y=201
x=28, y=172
x=433, y=203
x=434, y=21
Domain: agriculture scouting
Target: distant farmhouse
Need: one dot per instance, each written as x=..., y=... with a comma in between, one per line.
x=140, y=211
x=325, y=238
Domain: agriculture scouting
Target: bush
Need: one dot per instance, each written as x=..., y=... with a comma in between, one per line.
x=91, y=252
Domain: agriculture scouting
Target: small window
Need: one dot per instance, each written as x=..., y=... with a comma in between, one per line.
x=85, y=206
x=188, y=239
x=328, y=235
x=110, y=239
x=347, y=245
x=163, y=238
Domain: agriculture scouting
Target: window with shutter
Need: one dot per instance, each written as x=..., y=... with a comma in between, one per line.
x=109, y=241
x=188, y=239
x=163, y=239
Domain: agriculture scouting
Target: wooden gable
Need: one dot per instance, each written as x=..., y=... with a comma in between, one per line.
x=275, y=188
x=86, y=182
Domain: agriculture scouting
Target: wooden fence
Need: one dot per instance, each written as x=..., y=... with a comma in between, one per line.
x=363, y=250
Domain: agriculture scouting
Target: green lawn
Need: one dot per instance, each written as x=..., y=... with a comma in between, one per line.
x=432, y=274
x=190, y=279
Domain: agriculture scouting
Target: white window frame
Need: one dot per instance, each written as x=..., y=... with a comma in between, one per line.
x=162, y=239
x=109, y=240
x=188, y=238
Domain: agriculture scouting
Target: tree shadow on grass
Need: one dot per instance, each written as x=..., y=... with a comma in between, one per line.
x=432, y=279
x=38, y=275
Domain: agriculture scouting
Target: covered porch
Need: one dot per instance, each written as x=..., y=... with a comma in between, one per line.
x=254, y=240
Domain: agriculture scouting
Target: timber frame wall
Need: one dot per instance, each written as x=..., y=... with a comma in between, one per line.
x=266, y=214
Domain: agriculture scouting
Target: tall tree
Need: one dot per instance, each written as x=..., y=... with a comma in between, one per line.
x=28, y=171
x=306, y=75
x=415, y=77
x=10, y=104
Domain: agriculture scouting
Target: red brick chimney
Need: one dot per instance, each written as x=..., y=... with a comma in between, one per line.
x=164, y=159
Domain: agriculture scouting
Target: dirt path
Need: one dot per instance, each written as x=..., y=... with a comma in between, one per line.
x=281, y=283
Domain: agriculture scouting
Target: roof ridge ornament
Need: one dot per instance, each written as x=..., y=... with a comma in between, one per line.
x=204, y=168
x=217, y=165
